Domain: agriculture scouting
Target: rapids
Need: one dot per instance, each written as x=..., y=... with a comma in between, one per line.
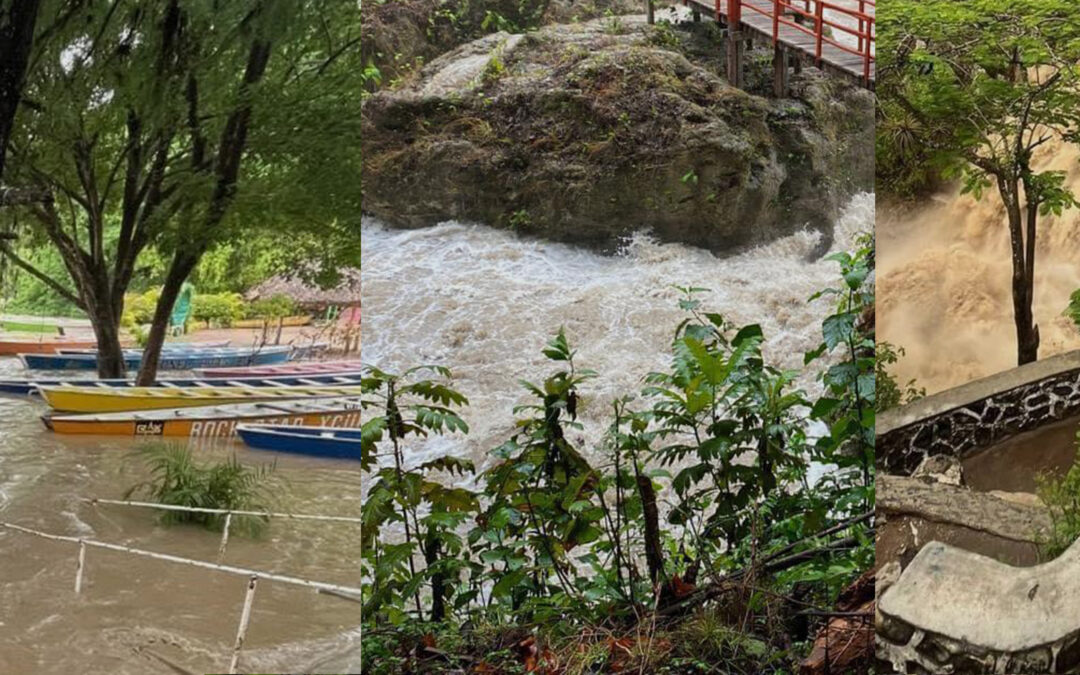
x=137, y=614
x=484, y=302
x=944, y=282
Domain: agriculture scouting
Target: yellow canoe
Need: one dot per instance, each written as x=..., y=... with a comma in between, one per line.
x=100, y=400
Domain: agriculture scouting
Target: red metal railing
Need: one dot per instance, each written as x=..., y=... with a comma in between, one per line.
x=856, y=18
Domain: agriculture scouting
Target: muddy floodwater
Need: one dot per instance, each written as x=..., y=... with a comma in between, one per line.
x=136, y=615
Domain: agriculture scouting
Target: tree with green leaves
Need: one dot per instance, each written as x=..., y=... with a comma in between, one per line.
x=178, y=126
x=976, y=87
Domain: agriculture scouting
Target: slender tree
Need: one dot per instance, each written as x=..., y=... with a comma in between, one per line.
x=979, y=86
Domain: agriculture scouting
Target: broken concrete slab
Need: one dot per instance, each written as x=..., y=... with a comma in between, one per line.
x=953, y=611
x=1013, y=518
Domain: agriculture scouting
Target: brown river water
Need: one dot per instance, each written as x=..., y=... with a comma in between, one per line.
x=137, y=615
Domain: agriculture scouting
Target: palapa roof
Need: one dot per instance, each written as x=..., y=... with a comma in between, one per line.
x=308, y=295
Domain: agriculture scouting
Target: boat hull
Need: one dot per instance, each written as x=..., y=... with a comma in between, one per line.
x=299, y=440
x=206, y=422
x=171, y=360
x=100, y=400
x=312, y=368
x=22, y=387
x=167, y=347
x=14, y=347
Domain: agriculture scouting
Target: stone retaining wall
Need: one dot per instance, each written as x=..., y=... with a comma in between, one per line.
x=977, y=415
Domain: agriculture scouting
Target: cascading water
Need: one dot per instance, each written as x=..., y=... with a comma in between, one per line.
x=944, y=282
x=484, y=302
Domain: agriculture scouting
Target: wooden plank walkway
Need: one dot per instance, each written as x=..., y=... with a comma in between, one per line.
x=757, y=24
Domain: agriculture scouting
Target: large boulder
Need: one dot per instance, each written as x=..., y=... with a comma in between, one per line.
x=587, y=132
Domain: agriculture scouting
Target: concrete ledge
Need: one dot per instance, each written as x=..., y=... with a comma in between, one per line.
x=979, y=414
x=980, y=511
x=955, y=611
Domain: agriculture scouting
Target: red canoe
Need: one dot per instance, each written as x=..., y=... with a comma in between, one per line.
x=308, y=368
x=44, y=346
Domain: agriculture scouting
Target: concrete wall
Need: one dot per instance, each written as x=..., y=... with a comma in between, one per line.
x=979, y=414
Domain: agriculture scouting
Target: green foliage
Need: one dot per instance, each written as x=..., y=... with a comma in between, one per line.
x=139, y=307
x=222, y=308
x=175, y=478
x=1073, y=310
x=970, y=88
x=1062, y=497
x=547, y=536
x=889, y=392
x=274, y=307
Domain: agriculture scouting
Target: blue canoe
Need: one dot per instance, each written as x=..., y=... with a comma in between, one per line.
x=22, y=387
x=314, y=441
x=173, y=359
x=167, y=347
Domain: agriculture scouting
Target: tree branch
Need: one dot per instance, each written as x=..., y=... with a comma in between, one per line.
x=41, y=276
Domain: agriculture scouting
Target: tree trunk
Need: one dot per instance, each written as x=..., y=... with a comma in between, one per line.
x=1027, y=333
x=181, y=267
x=110, y=355
x=17, y=22
x=654, y=550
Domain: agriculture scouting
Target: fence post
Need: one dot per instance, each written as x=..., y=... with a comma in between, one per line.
x=819, y=30
x=245, y=618
x=734, y=47
x=79, y=566
x=224, y=537
x=862, y=24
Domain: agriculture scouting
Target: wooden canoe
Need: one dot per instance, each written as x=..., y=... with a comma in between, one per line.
x=290, y=321
x=24, y=387
x=301, y=440
x=170, y=360
x=98, y=400
x=44, y=346
x=310, y=368
x=210, y=421
x=167, y=347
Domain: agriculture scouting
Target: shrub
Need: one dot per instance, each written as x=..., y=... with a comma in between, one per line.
x=141, y=307
x=176, y=479
x=222, y=308
x=274, y=307
x=1062, y=497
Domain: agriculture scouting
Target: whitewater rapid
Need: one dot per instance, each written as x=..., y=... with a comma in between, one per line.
x=484, y=302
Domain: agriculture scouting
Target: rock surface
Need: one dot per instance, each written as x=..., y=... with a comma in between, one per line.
x=953, y=611
x=588, y=132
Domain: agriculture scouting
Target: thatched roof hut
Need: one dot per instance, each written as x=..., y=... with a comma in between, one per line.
x=309, y=296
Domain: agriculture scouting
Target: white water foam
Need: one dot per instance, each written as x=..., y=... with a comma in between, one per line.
x=484, y=302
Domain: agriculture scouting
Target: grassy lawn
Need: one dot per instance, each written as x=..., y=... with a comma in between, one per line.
x=19, y=327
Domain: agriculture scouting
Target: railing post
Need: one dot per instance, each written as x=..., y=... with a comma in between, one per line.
x=245, y=618
x=862, y=24
x=776, y=22
x=224, y=537
x=819, y=30
x=80, y=566
x=734, y=46
x=868, y=53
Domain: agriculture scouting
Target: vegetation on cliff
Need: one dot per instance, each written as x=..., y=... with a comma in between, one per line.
x=711, y=531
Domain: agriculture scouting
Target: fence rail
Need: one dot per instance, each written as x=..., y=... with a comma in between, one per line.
x=251, y=576
x=811, y=27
